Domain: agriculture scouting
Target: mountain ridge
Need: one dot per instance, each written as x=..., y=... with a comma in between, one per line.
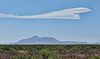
x=45, y=40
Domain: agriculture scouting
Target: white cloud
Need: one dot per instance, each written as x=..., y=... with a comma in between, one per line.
x=62, y=14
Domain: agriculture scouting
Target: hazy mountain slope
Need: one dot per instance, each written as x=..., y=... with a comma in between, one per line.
x=46, y=40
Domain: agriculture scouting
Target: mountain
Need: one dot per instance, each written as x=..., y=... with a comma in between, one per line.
x=39, y=40
x=45, y=40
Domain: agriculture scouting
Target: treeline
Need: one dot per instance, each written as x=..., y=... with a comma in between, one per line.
x=49, y=51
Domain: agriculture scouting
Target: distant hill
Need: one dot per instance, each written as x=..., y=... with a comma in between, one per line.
x=45, y=40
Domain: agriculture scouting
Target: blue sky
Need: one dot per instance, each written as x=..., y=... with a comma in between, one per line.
x=13, y=29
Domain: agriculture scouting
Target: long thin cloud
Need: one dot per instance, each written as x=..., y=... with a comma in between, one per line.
x=62, y=14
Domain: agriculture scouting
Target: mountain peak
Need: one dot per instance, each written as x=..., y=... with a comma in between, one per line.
x=34, y=36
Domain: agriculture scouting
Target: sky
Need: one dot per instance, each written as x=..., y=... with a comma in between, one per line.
x=65, y=20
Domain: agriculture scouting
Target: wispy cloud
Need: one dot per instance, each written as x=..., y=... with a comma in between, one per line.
x=62, y=14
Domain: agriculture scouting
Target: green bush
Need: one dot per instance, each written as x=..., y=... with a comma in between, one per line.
x=95, y=57
x=47, y=54
x=24, y=56
x=21, y=56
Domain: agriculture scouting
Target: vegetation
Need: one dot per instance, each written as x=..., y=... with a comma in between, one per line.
x=49, y=51
x=95, y=57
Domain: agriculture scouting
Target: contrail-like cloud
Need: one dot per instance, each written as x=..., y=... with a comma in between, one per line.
x=62, y=14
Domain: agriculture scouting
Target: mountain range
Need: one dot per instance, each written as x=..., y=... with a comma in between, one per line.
x=45, y=40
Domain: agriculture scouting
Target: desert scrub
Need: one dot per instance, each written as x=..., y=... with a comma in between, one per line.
x=24, y=56
x=47, y=54
x=95, y=57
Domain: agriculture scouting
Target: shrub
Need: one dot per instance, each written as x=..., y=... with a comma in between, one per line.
x=95, y=57
x=47, y=54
